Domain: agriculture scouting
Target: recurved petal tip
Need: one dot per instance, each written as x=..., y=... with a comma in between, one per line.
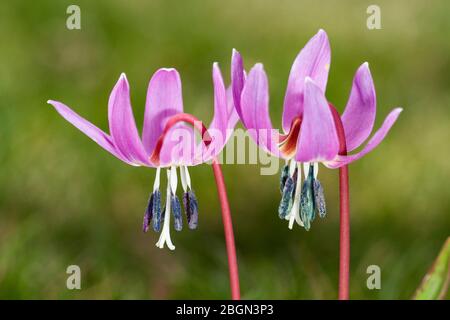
x=97, y=135
x=237, y=79
x=374, y=141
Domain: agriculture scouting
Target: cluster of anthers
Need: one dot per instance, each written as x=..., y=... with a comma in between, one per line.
x=300, y=202
x=156, y=215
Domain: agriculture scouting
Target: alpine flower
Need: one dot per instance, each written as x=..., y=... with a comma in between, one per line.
x=177, y=151
x=310, y=123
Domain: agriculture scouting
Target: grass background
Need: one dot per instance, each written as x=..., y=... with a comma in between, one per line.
x=64, y=201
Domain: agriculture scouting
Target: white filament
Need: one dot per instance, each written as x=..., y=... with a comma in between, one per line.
x=316, y=169
x=157, y=180
x=173, y=179
x=306, y=169
x=295, y=211
x=185, y=178
x=164, y=238
x=292, y=166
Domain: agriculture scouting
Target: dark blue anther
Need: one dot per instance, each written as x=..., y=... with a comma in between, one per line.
x=176, y=210
x=148, y=214
x=287, y=198
x=191, y=207
x=319, y=199
x=307, y=200
x=283, y=177
x=156, y=210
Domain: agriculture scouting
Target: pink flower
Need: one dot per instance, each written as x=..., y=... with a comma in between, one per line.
x=164, y=100
x=309, y=124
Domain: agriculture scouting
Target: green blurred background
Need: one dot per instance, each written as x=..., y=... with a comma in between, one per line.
x=64, y=200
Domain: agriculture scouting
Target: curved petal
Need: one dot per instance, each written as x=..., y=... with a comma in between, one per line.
x=255, y=110
x=359, y=114
x=313, y=61
x=224, y=120
x=381, y=133
x=164, y=99
x=122, y=125
x=318, y=139
x=233, y=116
x=225, y=114
x=237, y=79
x=220, y=119
x=93, y=132
x=215, y=133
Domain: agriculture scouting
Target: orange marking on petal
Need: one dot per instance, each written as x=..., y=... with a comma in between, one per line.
x=288, y=142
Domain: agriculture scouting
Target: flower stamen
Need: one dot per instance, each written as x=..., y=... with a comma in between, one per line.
x=189, y=199
x=307, y=199
x=295, y=212
x=287, y=197
x=165, y=234
x=175, y=202
x=153, y=210
x=312, y=197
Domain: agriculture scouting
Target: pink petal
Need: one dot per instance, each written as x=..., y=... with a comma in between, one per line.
x=100, y=137
x=223, y=122
x=122, y=125
x=372, y=144
x=313, y=61
x=255, y=110
x=318, y=139
x=220, y=119
x=164, y=99
x=225, y=114
x=220, y=138
x=359, y=114
x=237, y=79
x=233, y=116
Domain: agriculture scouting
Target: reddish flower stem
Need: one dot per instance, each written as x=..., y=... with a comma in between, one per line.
x=344, y=204
x=221, y=190
x=228, y=229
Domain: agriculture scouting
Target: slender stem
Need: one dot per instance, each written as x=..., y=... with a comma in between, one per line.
x=344, y=207
x=228, y=229
x=221, y=190
x=344, y=234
